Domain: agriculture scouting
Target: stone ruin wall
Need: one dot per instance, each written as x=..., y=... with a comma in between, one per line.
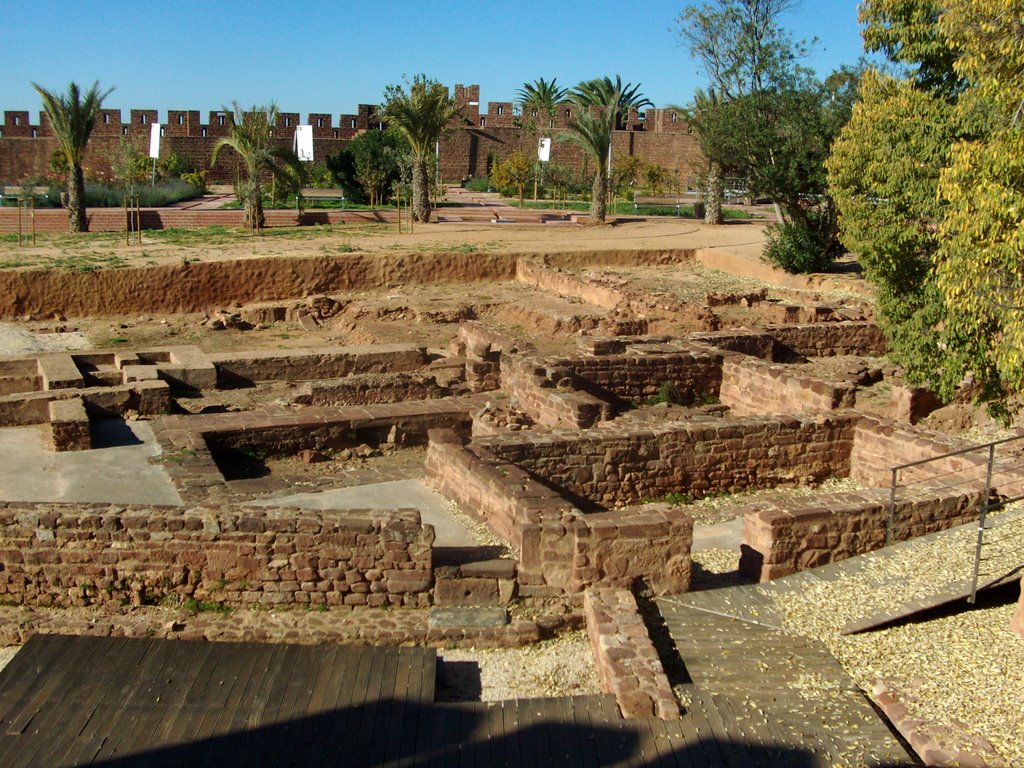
x=81, y=554
x=467, y=147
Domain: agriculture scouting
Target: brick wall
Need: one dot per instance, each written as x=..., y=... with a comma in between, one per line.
x=244, y=368
x=548, y=393
x=880, y=444
x=626, y=660
x=829, y=339
x=618, y=465
x=780, y=538
x=57, y=554
x=363, y=389
x=559, y=547
x=752, y=386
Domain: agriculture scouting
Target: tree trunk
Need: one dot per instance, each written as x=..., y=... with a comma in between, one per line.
x=713, y=208
x=420, y=190
x=77, y=220
x=599, y=197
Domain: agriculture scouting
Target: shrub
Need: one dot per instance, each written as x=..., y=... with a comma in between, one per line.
x=808, y=246
x=165, y=193
x=477, y=183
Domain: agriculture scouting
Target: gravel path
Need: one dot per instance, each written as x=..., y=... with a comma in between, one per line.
x=963, y=666
x=563, y=666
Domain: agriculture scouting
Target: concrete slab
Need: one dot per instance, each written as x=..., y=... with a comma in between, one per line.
x=116, y=470
x=727, y=535
x=395, y=494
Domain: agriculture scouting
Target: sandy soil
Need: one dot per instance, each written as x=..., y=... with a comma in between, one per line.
x=107, y=250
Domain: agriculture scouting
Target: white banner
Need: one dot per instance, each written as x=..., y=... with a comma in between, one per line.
x=304, y=142
x=154, y=140
x=544, y=150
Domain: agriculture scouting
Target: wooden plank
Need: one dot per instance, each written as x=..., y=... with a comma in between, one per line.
x=48, y=730
x=346, y=708
x=21, y=672
x=510, y=728
x=257, y=657
x=403, y=713
x=264, y=717
x=290, y=723
x=579, y=709
x=415, y=711
x=380, y=680
x=45, y=683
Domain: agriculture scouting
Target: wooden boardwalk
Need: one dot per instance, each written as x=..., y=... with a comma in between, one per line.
x=118, y=702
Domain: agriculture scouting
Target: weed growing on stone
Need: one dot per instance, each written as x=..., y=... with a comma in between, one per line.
x=199, y=606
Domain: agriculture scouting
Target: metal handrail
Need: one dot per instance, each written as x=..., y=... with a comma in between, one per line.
x=986, y=505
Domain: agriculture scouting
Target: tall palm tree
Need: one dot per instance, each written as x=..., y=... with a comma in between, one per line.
x=542, y=98
x=591, y=130
x=604, y=92
x=712, y=185
x=421, y=114
x=72, y=117
x=250, y=135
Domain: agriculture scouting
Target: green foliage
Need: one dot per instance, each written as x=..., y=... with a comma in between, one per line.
x=477, y=183
x=765, y=119
x=516, y=171
x=196, y=179
x=613, y=95
x=130, y=167
x=171, y=166
x=250, y=136
x=197, y=606
x=369, y=166
x=72, y=117
x=420, y=110
x=538, y=102
x=810, y=246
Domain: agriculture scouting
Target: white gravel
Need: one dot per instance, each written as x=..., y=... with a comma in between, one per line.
x=563, y=666
x=19, y=341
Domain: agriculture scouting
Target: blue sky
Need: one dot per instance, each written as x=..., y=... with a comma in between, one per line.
x=329, y=56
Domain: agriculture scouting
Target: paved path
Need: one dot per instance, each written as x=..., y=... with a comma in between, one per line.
x=397, y=494
x=120, y=473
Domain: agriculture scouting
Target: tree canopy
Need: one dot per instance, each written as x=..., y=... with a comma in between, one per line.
x=929, y=178
x=420, y=110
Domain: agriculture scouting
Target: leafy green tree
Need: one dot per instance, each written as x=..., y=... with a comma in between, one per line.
x=130, y=166
x=516, y=170
x=979, y=264
x=369, y=165
x=250, y=136
x=883, y=175
x=72, y=117
x=421, y=113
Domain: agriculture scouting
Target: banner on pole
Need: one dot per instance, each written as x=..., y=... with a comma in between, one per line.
x=154, y=140
x=544, y=150
x=304, y=142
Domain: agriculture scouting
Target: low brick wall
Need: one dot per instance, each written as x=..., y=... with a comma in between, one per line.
x=372, y=388
x=780, y=538
x=560, y=547
x=754, y=387
x=621, y=465
x=73, y=555
x=830, y=339
x=554, y=280
x=146, y=398
x=69, y=425
x=244, y=368
x=627, y=662
x=880, y=444
x=549, y=395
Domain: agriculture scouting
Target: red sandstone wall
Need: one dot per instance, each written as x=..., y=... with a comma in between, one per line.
x=617, y=465
x=751, y=386
x=64, y=554
x=781, y=538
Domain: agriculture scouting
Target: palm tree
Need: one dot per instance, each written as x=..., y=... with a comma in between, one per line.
x=712, y=185
x=603, y=92
x=591, y=130
x=421, y=115
x=542, y=98
x=250, y=135
x=72, y=117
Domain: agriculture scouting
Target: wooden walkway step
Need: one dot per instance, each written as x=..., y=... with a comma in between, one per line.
x=123, y=702
x=780, y=692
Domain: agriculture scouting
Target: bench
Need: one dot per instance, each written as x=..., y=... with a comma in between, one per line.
x=667, y=201
x=19, y=194
x=317, y=193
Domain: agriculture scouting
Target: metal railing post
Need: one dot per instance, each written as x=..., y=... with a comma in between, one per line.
x=892, y=509
x=981, y=523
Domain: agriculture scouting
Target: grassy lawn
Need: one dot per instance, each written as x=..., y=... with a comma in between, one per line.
x=625, y=208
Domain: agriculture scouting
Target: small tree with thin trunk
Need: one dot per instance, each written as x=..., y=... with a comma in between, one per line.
x=421, y=113
x=72, y=117
x=514, y=171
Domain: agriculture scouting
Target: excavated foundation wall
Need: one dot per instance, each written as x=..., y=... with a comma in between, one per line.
x=620, y=465
x=200, y=286
x=78, y=554
x=780, y=538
